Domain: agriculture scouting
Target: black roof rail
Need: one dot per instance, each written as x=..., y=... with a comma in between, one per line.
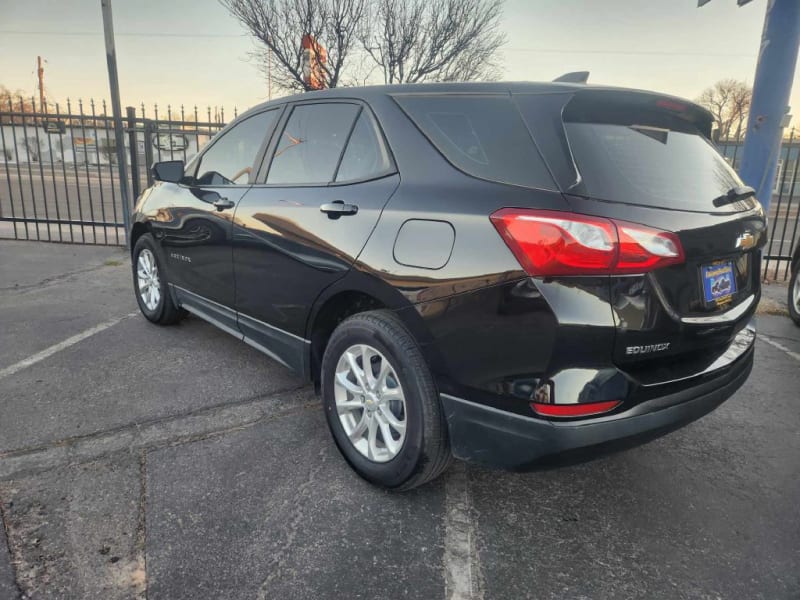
x=574, y=77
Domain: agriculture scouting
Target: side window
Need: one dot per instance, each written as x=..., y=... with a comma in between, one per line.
x=365, y=156
x=483, y=136
x=311, y=143
x=230, y=160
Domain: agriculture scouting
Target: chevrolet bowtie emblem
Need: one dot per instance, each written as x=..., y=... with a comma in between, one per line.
x=745, y=241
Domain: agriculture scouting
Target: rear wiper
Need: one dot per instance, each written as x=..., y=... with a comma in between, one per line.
x=741, y=192
x=659, y=134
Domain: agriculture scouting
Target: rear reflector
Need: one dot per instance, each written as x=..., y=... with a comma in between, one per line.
x=549, y=243
x=574, y=410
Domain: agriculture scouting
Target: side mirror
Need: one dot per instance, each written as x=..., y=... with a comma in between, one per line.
x=168, y=170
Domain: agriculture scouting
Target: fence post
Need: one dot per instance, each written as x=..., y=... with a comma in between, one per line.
x=134, y=148
x=149, y=126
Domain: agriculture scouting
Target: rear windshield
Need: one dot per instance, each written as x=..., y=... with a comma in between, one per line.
x=651, y=166
x=482, y=135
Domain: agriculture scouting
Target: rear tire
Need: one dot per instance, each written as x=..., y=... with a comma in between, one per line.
x=794, y=295
x=398, y=401
x=150, y=284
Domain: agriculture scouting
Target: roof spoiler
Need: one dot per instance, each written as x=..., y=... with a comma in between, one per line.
x=573, y=77
x=628, y=107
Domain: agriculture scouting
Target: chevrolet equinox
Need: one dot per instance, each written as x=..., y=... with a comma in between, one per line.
x=511, y=274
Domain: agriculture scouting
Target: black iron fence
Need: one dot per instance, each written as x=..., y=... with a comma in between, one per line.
x=784, y=206
x=59, y=163
x=62, y=182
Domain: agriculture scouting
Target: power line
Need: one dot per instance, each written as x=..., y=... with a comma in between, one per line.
x=630, y=52
x=127, y=34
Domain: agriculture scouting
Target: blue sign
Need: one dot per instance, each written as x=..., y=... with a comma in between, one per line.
x=719, y=281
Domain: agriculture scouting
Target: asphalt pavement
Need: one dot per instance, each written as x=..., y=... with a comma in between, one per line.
x=165, y=463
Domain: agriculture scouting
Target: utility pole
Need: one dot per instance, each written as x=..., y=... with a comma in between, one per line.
x=771, y=88
x=40, y=73
x=119, y=136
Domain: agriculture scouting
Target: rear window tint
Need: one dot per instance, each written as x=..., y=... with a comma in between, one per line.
x=650, y=166
x=484, y=136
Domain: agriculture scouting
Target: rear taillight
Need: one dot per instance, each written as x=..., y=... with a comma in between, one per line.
x=548, y=243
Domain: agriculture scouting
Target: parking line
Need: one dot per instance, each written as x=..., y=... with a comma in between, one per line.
x=779, y=346
x=47, y=352
x=459, y=540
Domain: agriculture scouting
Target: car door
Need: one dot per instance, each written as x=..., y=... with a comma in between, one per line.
x=197, y=238
x=325, y=181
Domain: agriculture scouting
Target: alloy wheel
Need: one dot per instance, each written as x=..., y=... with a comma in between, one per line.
x=796, y=294
x=147, y=276
x=370, y=403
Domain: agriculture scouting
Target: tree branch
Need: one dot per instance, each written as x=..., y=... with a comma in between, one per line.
x=434, y=40
x=278, y=26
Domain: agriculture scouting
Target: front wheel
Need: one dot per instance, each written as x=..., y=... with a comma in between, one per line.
x=150, y=284
x=381, y=403
x=794, y=295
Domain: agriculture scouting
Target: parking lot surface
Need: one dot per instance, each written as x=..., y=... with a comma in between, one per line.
x=167, y=463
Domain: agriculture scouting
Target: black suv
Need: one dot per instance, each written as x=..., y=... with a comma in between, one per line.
x=511, y=274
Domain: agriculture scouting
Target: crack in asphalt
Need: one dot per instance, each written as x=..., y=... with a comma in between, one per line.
x=56, y=278
x=138, y=425
x=279, y=558
x=155, y=433
x=8, y=549
x=141, y=525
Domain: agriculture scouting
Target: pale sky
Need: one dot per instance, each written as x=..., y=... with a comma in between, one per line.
x=194, y=52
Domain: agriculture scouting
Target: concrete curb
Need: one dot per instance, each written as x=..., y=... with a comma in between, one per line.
x=768, y=306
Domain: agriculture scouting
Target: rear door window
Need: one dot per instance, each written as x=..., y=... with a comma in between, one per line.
x=366, y=156
x=482, y=135
x=650, y=166
x=311, y=143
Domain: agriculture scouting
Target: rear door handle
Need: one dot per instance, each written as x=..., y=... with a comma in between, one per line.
x=223, y=203
x=337, y=208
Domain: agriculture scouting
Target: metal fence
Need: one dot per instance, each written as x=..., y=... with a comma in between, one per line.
x=62, y=182
x=60, y=165
x=784, y=206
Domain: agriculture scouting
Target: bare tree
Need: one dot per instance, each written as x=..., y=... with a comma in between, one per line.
x=433, y=40
x=729, y=102
x=279, y=26
x=13, y=101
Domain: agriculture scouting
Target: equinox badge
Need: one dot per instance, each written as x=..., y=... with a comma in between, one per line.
x=647, y=349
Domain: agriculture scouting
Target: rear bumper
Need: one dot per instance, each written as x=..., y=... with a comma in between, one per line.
x=486, y=435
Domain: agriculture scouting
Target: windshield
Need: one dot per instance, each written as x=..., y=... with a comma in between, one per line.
x=651, y=166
